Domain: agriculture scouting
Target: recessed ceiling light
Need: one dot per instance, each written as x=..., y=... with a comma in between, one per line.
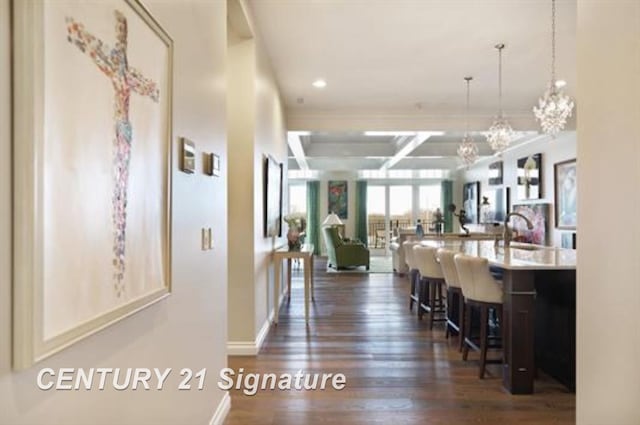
x=561, y=83
x=319, y=84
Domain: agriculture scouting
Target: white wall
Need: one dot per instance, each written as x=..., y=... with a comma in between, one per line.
x=257, y=128
x=553, y=151
x=241, y=124
x=188, y=329
x=5, y=206
x=270, y=138
x=608, y=288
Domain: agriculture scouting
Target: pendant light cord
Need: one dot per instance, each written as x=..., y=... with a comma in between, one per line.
x=500, y=47
x=553, y=43
x=468, y=79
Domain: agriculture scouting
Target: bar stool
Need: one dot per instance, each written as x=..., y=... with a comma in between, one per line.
x=413, y=272
x=454, y=293
x=431, y=283
x=480, y=290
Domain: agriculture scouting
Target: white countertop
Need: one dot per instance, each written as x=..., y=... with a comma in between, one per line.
x=519, y=256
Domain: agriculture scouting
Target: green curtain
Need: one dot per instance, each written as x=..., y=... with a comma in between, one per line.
x=313, y=215
x=446, y=200
x=361, y=212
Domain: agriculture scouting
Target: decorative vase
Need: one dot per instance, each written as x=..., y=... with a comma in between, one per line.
x=293, y=239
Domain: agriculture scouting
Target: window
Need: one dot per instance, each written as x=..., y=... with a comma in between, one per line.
x=376, y=213
x=429, y=200
x=400, y=205
x=298, y=198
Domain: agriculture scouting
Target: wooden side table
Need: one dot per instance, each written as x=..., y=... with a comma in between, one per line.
x=306, y=255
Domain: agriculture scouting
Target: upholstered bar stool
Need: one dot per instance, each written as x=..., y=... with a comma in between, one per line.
x=480, y=290
x=431, y=283
x=455, y=300
x=413, y=272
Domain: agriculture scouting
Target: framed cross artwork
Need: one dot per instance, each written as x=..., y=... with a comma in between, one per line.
x=93, y=167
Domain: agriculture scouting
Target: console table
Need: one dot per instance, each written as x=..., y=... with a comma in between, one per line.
x=306, y=255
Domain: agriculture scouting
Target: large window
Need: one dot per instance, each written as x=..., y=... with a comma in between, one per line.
x=401, y=205
x=429, y=201
x=376, y=215
x=298, y=198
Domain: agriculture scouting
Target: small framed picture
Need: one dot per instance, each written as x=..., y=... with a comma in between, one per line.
x=215, y=165
x=188, y=157
x=211, y=163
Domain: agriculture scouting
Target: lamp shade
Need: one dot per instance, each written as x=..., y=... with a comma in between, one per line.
x=331, y=220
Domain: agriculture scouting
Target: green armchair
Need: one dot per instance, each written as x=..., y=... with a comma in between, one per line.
x=343, y=253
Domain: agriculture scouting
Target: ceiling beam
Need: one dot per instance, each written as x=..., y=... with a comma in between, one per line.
x=295, y=144
x=408, y=147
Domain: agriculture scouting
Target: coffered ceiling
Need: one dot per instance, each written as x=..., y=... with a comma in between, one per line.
x=389, y=62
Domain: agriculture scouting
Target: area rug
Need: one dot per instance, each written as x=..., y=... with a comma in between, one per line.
x=376, y=265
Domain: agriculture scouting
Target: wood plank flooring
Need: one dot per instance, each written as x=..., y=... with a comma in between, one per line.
x=398, y=372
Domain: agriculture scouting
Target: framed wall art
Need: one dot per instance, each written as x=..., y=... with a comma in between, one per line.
x=538, y=214
x=499, y=204
x=93, y=167
x=211, y=164
x=215, y=165
x=471, y=201
x=566, y=193
x=495, y=173
x=338, y=198
x=568, y=240
x=187, y=156
x=272, y=197
x=530, y=177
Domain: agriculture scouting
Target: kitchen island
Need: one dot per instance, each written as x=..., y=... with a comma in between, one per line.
x=409, y=234
x=539, y=309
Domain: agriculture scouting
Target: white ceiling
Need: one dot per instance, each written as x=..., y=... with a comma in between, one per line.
x=342, y=151
x=386, y=57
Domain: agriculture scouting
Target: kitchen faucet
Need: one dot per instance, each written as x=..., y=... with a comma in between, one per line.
x=508, y=234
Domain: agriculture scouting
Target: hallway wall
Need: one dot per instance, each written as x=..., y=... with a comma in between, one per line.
x=608, y=289
x=185, y=330
x=257, y=128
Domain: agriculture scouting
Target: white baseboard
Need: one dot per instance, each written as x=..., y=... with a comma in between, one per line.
x=222, y=410
x=264, y=331
x=242, y=348
x=252, y=348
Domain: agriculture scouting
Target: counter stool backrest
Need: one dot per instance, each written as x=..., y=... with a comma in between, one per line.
x=408, y=254
x=476, y=279
x=448, y=265
x=425, y=259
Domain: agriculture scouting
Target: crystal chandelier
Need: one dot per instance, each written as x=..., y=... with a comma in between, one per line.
x=500, y=133
x=555, y=106
x=468, y=150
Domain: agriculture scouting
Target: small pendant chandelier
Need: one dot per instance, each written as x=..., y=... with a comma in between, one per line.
x=555, y=106
x=468, y=150
x=500, y=133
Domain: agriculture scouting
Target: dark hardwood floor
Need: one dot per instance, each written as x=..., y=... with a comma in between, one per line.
x=397, y=371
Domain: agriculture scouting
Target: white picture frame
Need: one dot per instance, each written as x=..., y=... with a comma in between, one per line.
x=64, y=289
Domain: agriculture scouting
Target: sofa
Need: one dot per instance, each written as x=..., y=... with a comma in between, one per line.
x=344, y=253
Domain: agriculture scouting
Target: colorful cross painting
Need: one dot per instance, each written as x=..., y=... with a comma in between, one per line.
x=125, y=79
